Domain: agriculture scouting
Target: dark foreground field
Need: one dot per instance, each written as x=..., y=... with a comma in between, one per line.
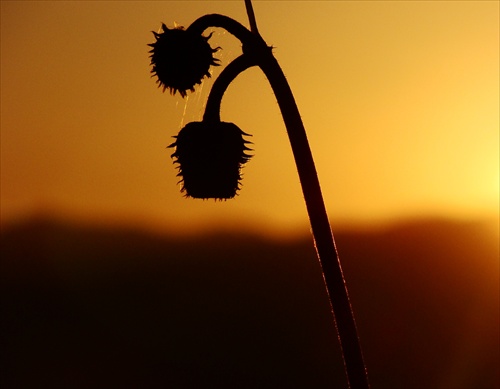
x=94, y=308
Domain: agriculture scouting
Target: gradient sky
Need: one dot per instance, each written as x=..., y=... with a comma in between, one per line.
x=400, y=100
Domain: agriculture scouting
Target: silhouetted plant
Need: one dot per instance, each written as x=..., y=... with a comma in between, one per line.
x=211, y=153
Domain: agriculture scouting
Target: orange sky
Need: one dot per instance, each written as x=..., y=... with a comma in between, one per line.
x=400, y=101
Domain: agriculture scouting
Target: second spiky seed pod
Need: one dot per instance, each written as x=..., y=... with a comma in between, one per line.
x=210, y=156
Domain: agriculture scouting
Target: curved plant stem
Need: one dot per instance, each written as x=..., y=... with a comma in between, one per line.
x=230, y=72
x=230, y=25
x=256, y=52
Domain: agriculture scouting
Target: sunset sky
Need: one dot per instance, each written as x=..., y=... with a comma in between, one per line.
x=400, y=100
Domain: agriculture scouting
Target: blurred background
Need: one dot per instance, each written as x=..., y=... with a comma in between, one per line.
x=110, y=276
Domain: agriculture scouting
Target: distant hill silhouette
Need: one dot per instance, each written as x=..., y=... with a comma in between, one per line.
x=85, y=307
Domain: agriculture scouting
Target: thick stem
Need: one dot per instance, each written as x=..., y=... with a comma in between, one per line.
x=325, y=245
x=255, y=48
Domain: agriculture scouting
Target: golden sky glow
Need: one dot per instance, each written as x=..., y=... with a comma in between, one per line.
x=400, y=101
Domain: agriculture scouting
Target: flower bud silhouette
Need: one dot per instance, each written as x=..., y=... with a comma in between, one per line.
x=180, y=59
x=210, y=156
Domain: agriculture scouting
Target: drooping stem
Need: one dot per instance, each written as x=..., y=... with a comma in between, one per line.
x=230, y=72
x=256, y=52
x=216, y=20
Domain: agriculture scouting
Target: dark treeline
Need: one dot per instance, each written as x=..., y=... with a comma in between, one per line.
x=86, y=307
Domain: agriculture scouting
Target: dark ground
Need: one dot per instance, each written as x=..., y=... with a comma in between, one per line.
x=98, y=308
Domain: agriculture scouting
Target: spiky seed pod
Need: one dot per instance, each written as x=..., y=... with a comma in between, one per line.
x=180, y=59
x=210, y=157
